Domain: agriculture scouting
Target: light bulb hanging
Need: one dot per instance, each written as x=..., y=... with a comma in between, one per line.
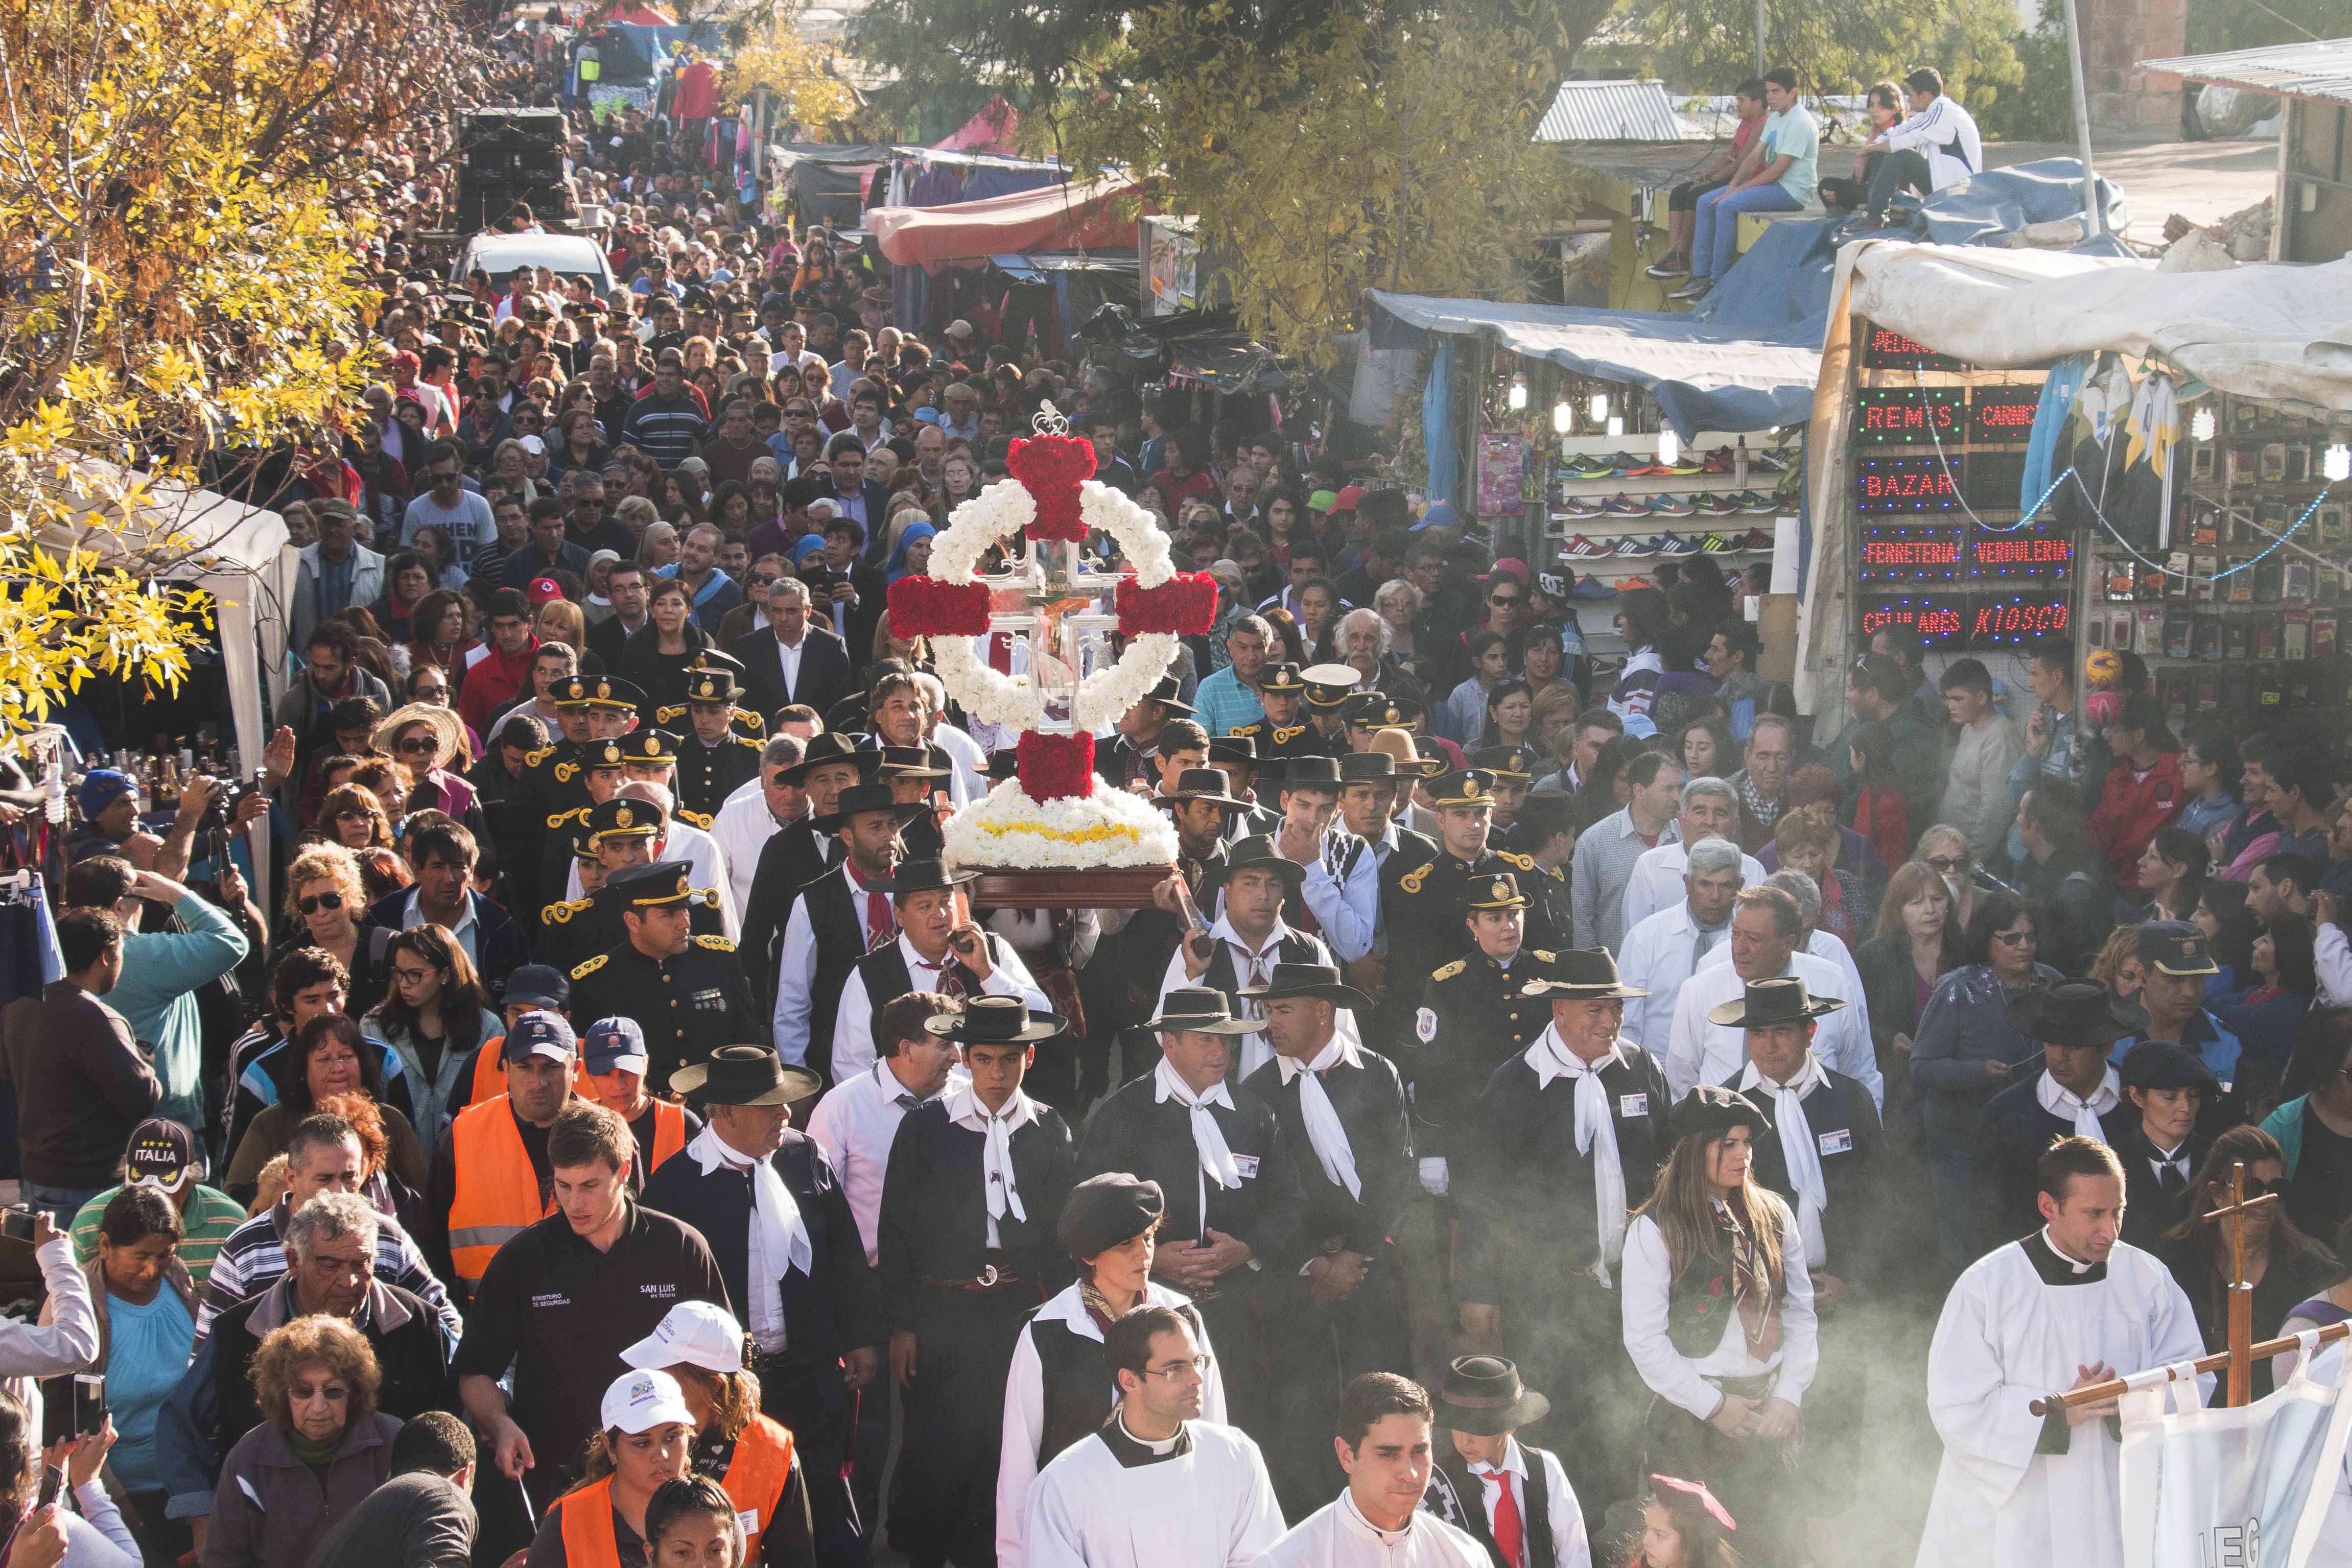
x=1670, y=446
x=1517, y=396
x=1563, y=417
x=2337, y=466
x=2201, y=424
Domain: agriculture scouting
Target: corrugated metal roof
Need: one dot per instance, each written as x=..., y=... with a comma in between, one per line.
x=1614, y=111
x=2321, y=69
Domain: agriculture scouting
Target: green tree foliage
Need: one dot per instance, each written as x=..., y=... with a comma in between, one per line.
x=1835, y=45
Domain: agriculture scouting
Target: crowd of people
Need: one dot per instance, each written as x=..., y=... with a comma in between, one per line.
x=1505, y=1139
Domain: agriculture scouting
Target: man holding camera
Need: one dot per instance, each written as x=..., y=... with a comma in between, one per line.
x=939, y=947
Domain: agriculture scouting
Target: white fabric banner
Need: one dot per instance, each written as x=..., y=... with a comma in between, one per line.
x=2248, y=1488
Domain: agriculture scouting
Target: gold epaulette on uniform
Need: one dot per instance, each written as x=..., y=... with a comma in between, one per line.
x=534, y=758
x=747, y=740
x=1411, y=880
x=1543, y=957
x=583, y=971
x=564, y=771
x=716, y=943
x=557, y=821
x=559, y=912
x=699, y=819
x=1525, y=862
x=1448, y=971
x=1284, y=737
x=665, y=714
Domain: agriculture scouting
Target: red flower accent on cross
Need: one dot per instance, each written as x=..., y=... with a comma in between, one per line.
x=926, y=607
x=1051, y=468
x=1186, y=605
x=1057, y=766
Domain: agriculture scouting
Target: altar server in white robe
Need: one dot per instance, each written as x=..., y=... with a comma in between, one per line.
x=1385, y=1443
x=1156, y=1487
x=2065, y=1308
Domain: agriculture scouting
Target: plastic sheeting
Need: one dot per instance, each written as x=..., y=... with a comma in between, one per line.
x=1059, y=218
x=1704, y=376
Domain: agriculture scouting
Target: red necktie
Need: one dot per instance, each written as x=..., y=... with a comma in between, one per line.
x=1507, y=1529
x=879, y=923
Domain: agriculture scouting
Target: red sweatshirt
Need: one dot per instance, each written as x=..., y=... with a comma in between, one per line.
x=2132, y=807
x=492, y=683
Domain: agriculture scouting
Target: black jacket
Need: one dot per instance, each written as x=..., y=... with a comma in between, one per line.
x=793, y=857
x=828, y=1311
x=934, y=1218
x=1370, y=1100
x=1843, y=1121
x=2148, y=1210
x=401, y=1329
x=416, y=1520
x=1135, y=1132
x=2013, y=1136
x=827, y=673
x=2078, y=900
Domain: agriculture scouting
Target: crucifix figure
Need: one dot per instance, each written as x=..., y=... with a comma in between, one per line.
x=2241, y=1294
x=1043, y=602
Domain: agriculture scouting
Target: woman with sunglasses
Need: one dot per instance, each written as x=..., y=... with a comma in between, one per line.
x=429, y=744
x=1967, y=1051
x=1944, y=849
x=351, y=816
x=2284, y=1266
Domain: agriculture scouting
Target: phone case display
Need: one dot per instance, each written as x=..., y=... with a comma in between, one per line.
x=1935, y=465
x=2251, y=595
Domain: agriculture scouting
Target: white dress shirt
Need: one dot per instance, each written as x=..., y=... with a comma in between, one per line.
x=2063, y=1103
x=855, y=1125
x=1821, y=946
x=1659, y=954
x=1682, y=1379
x=853, y=1021
x=1570, y=1547
x=778, y=1241
x=788, y=658
x=797, y=969
x=742, y=829
x=1252, y=1050
x=1698, y=1051
x=996, y=1128
x=1657, y=881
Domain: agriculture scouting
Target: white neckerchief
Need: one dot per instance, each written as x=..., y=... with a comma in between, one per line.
x=1596, y=1134
x=1216, y=1161
x=996, y=1128
x=1324, y=1129
x=1798, y=1151
x=2064, y=1104
x=778, y=1237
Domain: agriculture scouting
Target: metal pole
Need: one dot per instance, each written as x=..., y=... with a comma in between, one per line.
x=2091, y=214
x=1760, y=37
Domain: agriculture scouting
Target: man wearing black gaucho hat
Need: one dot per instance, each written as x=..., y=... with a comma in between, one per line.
x=836, y=919
x=976, y=1181
x=1059, y=1390
x=2074, y=1021
x=1342, y=1111
x=1512, y=1496
x=1564, y=1145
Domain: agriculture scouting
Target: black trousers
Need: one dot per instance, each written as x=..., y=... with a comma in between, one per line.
x=1316, y=1349
x=1235, y=1315
x=1684, y=198
x=943, y=1493
x=1570, y=1347
x=1905, y=170
x=819, y=1410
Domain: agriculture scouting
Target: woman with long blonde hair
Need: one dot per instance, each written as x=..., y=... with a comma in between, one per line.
x=1718, y=1306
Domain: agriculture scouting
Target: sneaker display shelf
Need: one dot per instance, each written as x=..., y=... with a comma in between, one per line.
x=1615, y=511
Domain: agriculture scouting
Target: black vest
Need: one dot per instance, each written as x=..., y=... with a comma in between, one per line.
x=833, y=920
x=1293, y=949
x=1079, y=1390
x=1469, y=1507
x=887, y=977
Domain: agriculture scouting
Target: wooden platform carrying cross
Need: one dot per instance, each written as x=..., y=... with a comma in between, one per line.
x=2243, y=1352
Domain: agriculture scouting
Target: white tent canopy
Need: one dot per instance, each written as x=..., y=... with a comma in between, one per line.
x=200, y=539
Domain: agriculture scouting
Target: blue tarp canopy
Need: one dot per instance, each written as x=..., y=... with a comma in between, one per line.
x=1746, y=358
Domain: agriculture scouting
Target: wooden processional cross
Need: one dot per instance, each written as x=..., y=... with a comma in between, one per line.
x=2239, y=1358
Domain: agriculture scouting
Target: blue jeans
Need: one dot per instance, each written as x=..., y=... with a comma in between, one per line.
x=1717, y=239
x=62, y=1202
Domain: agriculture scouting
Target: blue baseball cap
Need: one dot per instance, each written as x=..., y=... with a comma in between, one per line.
x=537, y=985
x=614, y=1043
x=102, y=787
x=542, y=1033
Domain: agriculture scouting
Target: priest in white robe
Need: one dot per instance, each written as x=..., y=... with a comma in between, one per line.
x=1386, y=1444
x=1157, y=1487
x=2066, y=1307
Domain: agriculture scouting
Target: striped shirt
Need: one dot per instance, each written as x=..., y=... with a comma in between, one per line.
x=254, y=1259
x=1224, y=704
x=1604, y=863
x=209, y=1219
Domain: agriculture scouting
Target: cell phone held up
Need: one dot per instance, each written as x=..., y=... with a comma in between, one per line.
x=72, y=1406
x=16, y=1223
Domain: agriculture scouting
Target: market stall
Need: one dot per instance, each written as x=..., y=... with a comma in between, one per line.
x=2010, y=445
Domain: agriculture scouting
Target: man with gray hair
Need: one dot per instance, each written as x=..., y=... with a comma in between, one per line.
x=1710, y=809
x=756, y=811
x=1228, y=699
x=1817, y=942
x=1667, y=947
x=331, y=1245
x=797, y=657
x=1767, y=934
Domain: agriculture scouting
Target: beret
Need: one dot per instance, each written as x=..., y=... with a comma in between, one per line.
x=1104, y=1210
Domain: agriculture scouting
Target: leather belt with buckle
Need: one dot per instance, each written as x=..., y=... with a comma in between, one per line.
x=988, y=1281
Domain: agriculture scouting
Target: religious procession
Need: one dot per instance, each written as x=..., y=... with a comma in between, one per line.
x=904, y=786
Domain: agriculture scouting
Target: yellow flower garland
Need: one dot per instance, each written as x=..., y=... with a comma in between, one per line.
x=1095, y=834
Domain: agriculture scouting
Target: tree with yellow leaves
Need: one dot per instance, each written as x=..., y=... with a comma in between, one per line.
x=774, y=56
x=181, y=214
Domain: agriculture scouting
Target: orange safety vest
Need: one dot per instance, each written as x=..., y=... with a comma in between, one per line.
x=498, y=1191
x=669, y=1134
x=490, y=1073
x=755, y=1479
x=587, y=1516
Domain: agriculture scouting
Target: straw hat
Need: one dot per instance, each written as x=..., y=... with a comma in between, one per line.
x=448, y=729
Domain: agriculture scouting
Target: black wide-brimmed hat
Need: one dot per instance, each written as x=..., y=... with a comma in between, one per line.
x=1545, y=811
x=1368, y=768
x=1169, y=695
x=859, y=798
x=831, y=747
x=1580, y=975
x=745, y=1076
x=1199, y=1010
x=1709, y=1111
x=915, y=762
x=994, y=1020
x=1320, y=981
x=1484, y=1396
x=1199, y=784
x=1783, y=999
x=1257, y=852
x=925, y=876
x=1239, y=749
x=1310, y=773
x=1107, y=1211
x=2150, y=1064
x=2076, y=1012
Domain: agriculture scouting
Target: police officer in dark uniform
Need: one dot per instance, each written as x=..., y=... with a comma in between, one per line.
x=1544, y=831
x=1423, y=905
x=1515, y=768
x=563, y=939
x=1329, y=689
x=745, y=722
x=1369, y=712
x=714, y=758
x=1283, y=732
x=687, y=992
x=1471, y=1017
x=616, y=836
x=598, y=772
x=553, y=784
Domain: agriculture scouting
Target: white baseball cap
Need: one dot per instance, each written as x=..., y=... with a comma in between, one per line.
x=642, y=1400
x=694, y=1334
